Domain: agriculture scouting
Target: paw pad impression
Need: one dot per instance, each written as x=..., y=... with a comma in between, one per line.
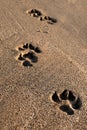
x=28, y=54
x=38, y=14
x=73, y=101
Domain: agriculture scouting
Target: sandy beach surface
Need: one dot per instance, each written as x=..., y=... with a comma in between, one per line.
x=43, y=51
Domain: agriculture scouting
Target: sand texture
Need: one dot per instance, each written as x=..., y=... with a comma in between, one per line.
x=43, y=64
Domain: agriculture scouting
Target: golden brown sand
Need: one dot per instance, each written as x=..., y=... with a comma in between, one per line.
x=28, y=83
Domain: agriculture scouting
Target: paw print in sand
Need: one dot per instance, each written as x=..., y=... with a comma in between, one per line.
x=28, y=54
x=68, y=101
x=38, y=14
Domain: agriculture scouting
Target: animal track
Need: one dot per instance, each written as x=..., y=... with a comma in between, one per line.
x=35, y=12
x=28, y=54
x=50, y=20
x=21, y=58
x=38, y=14
x=67, y=109
x=64, y=94
x=26, y=63
x=31, y=55
x=69, y=101
x=55, y=97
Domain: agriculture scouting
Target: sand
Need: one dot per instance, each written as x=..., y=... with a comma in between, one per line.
x=27, y=85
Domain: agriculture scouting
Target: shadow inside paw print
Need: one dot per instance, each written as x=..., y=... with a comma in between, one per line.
x=74, y=100
x=67, y=109
x=25, y=46
x=55, y=97
x=31, y=46
x=21, y=49
x=31, y=55
x=67, y=96
x=50, y=20
x=71, y=96
x=64, y=94
x=21, y=57
x=77, y=104
x=26, y=63
x=37, y=13
x=36, y=49
x=28, y=54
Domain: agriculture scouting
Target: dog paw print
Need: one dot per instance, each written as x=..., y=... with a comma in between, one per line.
x=28, y=54
x=38, y=14
x=50, y=20
x=68, y=101
x=35, y=13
